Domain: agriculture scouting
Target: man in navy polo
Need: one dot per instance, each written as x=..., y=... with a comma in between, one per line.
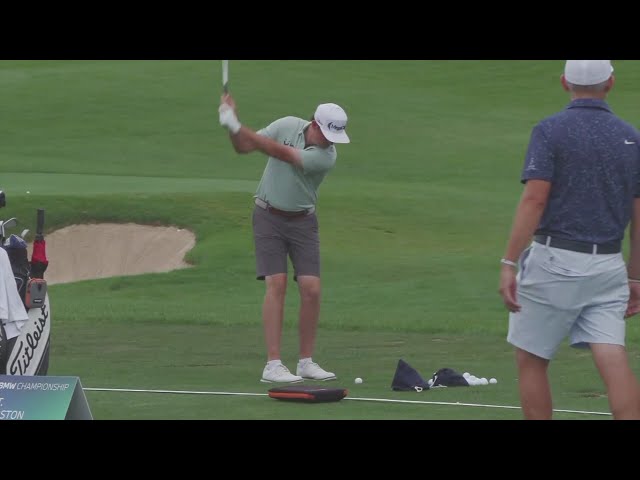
x=582, y=189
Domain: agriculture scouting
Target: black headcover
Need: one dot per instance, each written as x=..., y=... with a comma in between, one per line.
x=407, y=378
x=448, y=377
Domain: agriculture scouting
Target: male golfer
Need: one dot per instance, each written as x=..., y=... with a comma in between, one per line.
x=582, y=189
x=301, y=153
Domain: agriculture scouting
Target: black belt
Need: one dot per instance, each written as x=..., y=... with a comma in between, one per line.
x=284, y=213
x=576, y=246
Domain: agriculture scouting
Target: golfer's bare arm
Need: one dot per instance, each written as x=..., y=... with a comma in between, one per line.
x=247, y=141
x=530, y=209
x=634, y=234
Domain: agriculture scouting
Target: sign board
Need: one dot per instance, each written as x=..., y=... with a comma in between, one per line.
x=42, y=398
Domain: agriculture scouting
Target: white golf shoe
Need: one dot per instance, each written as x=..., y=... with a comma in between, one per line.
x=313, y=371
x=279, y=374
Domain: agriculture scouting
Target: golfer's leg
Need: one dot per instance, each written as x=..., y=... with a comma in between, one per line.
x=622, y=386
x=273, y=313
x=602, y=326
x=304, y=248
x=539, y=328
x=533, y=384
x=537, y=332
x=309, y=313
x=271, y=266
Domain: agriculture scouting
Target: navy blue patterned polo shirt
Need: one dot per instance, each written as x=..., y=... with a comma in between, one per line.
x=592, y=159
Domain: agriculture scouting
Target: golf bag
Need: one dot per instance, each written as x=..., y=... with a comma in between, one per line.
x=28, y=353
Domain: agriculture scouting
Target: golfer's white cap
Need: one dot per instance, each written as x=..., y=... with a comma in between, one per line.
x=587, y=72
x=332, y=120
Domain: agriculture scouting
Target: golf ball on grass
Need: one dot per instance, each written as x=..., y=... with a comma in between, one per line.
x=358, y=380
x=493, y=381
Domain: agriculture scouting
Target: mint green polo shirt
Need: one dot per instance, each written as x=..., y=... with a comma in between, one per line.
x=288, y=187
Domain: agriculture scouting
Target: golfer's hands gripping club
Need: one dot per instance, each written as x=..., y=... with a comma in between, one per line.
x=228, y=117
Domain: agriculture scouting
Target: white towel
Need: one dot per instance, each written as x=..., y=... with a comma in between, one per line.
x=12, y=311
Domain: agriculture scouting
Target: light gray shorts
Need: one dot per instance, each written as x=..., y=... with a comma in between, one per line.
x=564, y=294
x=278, y=237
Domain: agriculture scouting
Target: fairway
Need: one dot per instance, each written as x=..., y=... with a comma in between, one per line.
x=413, y=222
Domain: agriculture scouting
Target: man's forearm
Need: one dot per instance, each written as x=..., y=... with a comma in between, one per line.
x=242, y=141
x=633, y=265
x=246, y=140
x=526, y=221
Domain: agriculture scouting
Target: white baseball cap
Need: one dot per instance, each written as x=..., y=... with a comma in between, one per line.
x=587, y=72
x=332, y=120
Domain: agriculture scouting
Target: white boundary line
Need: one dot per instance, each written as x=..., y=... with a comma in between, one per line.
x=386, y=400
x=459, y=404
x=179, y=392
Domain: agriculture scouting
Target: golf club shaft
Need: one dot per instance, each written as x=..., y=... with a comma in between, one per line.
x=40, y=224
x=225, y=76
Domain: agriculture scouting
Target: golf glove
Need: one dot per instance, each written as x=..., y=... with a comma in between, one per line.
x=228, y=118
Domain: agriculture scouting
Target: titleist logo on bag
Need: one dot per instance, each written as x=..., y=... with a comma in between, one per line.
x=30, y=354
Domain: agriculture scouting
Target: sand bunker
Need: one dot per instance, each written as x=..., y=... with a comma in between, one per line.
x=84, y=252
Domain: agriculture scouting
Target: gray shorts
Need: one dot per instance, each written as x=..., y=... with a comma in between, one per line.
x=278, y=237
x=564, y=294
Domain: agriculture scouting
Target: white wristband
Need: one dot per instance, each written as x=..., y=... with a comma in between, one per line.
x=234, y=125
x=504, y=261
x=228, y=119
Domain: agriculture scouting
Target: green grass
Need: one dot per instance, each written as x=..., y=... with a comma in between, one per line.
x=145, y=362
x=412, y=221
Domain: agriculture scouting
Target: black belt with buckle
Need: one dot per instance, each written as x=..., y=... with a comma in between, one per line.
x=283, y=213
x=576, y=246
x=286, y=213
